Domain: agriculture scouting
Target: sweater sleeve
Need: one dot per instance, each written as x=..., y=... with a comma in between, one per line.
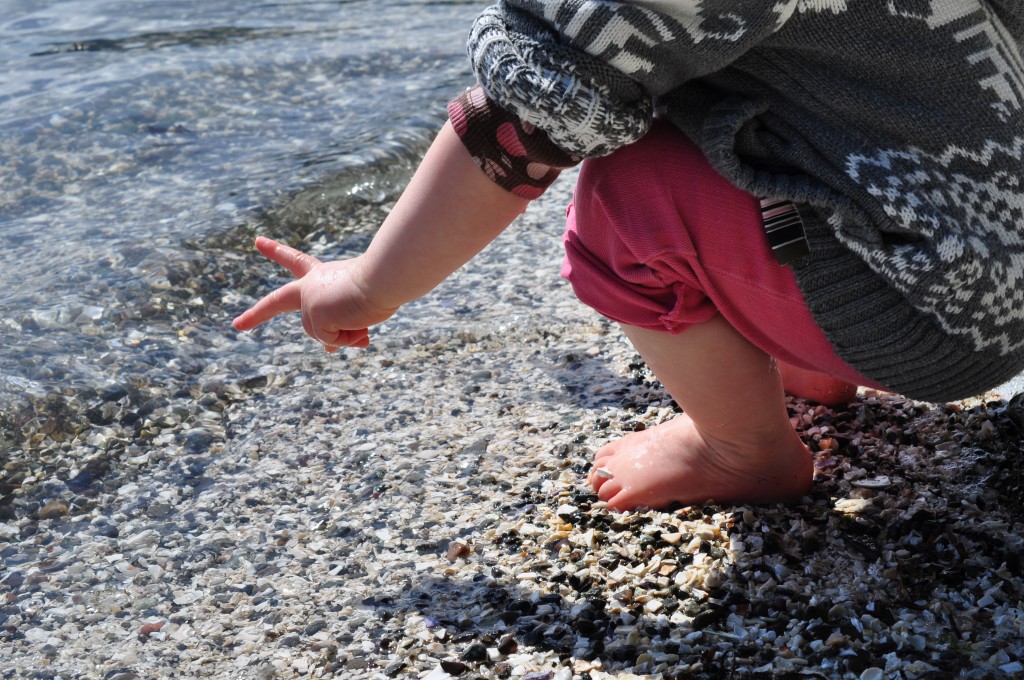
x=587, y=72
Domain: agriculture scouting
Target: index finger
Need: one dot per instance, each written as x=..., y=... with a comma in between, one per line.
x=287, y=298
x=295, y=261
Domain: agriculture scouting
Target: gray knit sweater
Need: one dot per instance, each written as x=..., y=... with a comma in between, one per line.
x=896, y=125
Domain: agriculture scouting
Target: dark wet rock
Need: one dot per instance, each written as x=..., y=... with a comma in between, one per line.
x=475, y=652
x=13, y=580
x=121, y=674
x=393, y=669
x=508, y=645
x=107, y=531
x=315, y=627
x=88, y=476
x=708, y=616
x=198, y=441
x=452, y=667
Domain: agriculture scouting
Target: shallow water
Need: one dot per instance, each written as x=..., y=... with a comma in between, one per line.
x=143, y=144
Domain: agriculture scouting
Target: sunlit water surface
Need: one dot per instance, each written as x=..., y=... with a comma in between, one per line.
x=142, y=144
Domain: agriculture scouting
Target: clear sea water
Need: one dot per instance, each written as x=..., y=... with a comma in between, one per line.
x=143, y=143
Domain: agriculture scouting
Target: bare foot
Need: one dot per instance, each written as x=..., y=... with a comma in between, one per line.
x=674, y=463
x=815, y=386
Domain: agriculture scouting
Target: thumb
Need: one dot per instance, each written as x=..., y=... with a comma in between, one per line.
x=348, y=338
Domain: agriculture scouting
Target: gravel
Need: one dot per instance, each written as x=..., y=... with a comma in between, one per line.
x=247, y=507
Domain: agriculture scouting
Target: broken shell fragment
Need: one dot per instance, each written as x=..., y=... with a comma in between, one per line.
x=879, y=482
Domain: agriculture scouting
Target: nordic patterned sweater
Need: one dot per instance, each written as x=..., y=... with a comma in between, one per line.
x=896, y=126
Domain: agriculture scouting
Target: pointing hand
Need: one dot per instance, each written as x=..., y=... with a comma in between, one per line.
x=336, y=310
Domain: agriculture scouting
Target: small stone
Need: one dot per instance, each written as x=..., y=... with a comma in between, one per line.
x=838, y=611
x=538, y=675
x=872, y=673
x=53, y=510
x=706, y=618
x=36, y=635
x=122, y=675
x=315, y=627
x=185, y=598
x=879, y=482
x=394, y=668
x=90, y=313
x=151, y=628
x=159, y=510
x=475, y=652
x=437, y=674
x=503, y=669
x=566, y=511
x=453, y=667
x=198, y=441
x=508, y=645
x=37, y=577
x=458, y=550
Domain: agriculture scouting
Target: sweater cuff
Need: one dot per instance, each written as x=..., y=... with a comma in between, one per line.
x=515, y=155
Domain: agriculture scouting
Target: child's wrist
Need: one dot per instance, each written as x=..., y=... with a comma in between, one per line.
x=375, y=286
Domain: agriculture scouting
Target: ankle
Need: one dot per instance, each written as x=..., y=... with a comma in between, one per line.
x=753, y=444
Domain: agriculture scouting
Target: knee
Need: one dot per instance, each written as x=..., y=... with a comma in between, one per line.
x=629, y=254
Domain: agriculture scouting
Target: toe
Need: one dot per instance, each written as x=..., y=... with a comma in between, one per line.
x=625, y=500
x=603, y=454
x=608, y=489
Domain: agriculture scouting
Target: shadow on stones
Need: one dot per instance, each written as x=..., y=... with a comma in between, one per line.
x=583, y=624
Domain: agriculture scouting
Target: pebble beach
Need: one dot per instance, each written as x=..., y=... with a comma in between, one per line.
x=418, y=509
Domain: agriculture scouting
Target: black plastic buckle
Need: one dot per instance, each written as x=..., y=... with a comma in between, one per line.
x=784, y=229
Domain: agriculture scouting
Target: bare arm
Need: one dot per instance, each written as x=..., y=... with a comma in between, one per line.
x=447, y=214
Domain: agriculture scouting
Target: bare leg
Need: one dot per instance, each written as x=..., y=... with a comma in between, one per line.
x=818, y=387
x=733, y=442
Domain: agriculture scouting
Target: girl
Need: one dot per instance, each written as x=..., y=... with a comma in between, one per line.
x=809, y=194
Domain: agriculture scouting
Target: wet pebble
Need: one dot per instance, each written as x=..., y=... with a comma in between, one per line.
x=53, y=510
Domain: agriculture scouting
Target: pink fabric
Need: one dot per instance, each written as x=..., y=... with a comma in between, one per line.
x=656, y=238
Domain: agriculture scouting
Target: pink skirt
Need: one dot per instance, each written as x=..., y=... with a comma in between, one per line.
x=656, y=238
